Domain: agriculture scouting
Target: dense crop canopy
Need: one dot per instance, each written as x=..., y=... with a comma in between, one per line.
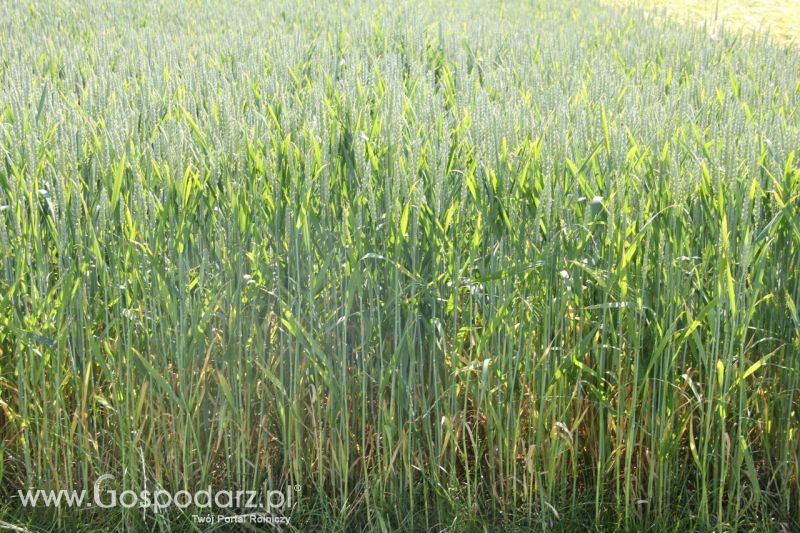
x=441, y=264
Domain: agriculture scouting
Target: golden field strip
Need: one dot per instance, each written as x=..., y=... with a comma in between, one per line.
x=779, y=18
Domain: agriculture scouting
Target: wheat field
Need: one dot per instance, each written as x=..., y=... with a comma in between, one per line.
x=779, y=19
x=433, y=266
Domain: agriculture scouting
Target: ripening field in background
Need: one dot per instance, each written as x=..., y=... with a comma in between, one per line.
x=445, y=266
x=780, y=19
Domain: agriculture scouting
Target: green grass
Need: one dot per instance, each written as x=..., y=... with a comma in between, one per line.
x=447, y=266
